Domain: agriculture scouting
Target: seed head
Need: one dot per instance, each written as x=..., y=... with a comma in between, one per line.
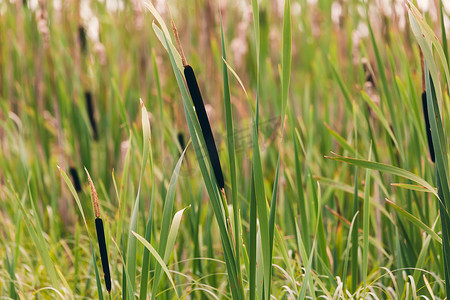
x=94, y=195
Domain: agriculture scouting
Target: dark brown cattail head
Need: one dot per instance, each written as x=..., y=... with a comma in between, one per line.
x=75, y=178
x=196, y=96
x=180, y=138
x=103, y=253
x=425, y=109
x=82, y=39
x=90, y=110
x=100, y=235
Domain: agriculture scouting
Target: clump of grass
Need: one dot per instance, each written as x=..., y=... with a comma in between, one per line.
x=405, y=265
x=100, y=235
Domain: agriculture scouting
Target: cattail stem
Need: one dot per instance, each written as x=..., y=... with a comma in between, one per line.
x=227, y=214
x=180, y=138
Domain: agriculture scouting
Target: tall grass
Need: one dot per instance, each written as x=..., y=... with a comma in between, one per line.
x=282, y=87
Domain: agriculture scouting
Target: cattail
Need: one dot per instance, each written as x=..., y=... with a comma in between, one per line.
x=90, y=109
x=204, y=123
x=427, y=125
x=425, y=110
x=200, y=110
x=100, y=235
x=82, y=39
x=75, y=178
x=180, y=138
x=42, y=22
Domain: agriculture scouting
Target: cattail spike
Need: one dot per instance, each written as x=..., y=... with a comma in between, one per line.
x=100, y=235
x=196, y=96
x=82, y=39
x=425, y=108
x=177, y=39
x=76, y=179
x=427, y=126
x=90, y=109
x=94, y=195
x=181, y=142
x=103, y=252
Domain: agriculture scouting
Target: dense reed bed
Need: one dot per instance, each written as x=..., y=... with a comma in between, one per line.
x=306, y=157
